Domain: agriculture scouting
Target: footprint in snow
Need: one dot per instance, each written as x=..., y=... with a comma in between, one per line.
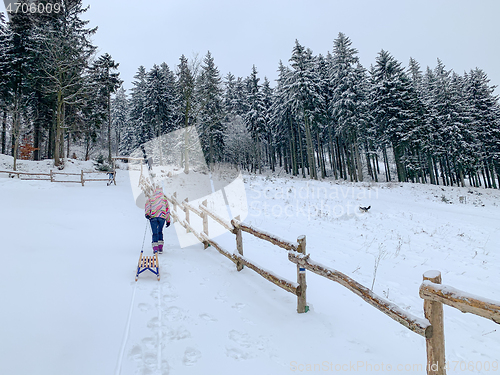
x=238, y=306
x=237, y=353
x=169, y=298
x=144, y=306
x=221, y=297
x=149, y=343
x=248, y=321
x=191, y=356
x=173, y=314
x=178, y=333
x=240, y=338
x=150, y=361
x=208, y=317
x=135, y=353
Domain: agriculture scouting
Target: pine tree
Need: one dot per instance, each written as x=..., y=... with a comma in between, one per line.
x=348, y=104
x=159, y=103
x=65, y=50
x=254, y=117
x=391, y=109
x=268, y=131
x=104, y=75
x=120, y=122
x=282, y=123
x=305, y=98
x=186, y=83
x=485, y=119
x=18, y=70
x=138, y=107
x=211, y=115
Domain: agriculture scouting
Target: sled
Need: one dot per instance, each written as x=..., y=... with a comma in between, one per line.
x=148, y=263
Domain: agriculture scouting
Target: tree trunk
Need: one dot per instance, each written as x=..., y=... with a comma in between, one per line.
x=293, y=148
x=358, y=161
x=368, y=160
x=320, y=156
x=4, y=130
x=68, y=133
x=431, y=170
x=386, y=162
x=186, y=139
x=311, y=161
x=109, y=127
x=58, y=130
x=16, y=128
x=301, y=155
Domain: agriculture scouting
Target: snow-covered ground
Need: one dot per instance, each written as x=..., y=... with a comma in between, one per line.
x=70, y=304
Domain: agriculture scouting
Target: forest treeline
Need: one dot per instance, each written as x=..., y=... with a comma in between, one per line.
x=325, y=116
x=54, y=90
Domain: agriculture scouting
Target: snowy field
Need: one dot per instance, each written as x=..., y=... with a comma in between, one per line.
x=70, y=305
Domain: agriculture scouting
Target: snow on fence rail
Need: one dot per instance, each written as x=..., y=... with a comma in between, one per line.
x=435, y=295
x=431, y=327
x=413, y=323
x=52, y=176
x=237, y=227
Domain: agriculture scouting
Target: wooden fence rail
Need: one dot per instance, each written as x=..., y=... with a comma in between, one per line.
x=413, y=323
x=52, y=175
x=431, y=326
x=236, y=227
x=435, y=296
x=460, y=300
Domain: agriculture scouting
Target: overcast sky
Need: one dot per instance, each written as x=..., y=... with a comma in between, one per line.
x=463, y=34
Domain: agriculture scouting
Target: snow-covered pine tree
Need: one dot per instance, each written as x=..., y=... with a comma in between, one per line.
x=255, y=117
x=305, y=98
x=138, y=107
x=105, y=76
x=448, y=114
x=391, y=109
x=159, y=106
x=120, y=122
x=18, y=67
x=65, y=49
x=325, y=139
x=419, y=162
x=485, y=120
x=173, y=115
x=348, y=105
x=268, y=133
x=186, y=82
x=282, y=124
x=211, y=126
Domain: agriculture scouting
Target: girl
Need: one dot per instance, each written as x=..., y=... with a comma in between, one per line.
x=157, y=212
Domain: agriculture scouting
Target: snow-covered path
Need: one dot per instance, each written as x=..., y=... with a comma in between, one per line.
x=69, y=256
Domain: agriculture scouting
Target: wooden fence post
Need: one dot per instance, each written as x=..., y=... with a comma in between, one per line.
x=205, y=223
x=175, y=205
x=186, y=212
x=239, y=244
x=301, y=278
x=51, y=176
x=83, y=181
x=433, y=312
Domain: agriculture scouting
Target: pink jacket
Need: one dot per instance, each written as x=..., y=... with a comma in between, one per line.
x=157, y=205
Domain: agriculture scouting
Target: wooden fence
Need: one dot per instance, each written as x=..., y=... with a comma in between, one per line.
x=52, y=176
x=431, y=291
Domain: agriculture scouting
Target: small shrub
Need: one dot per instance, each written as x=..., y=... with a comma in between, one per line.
x=104, y=168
